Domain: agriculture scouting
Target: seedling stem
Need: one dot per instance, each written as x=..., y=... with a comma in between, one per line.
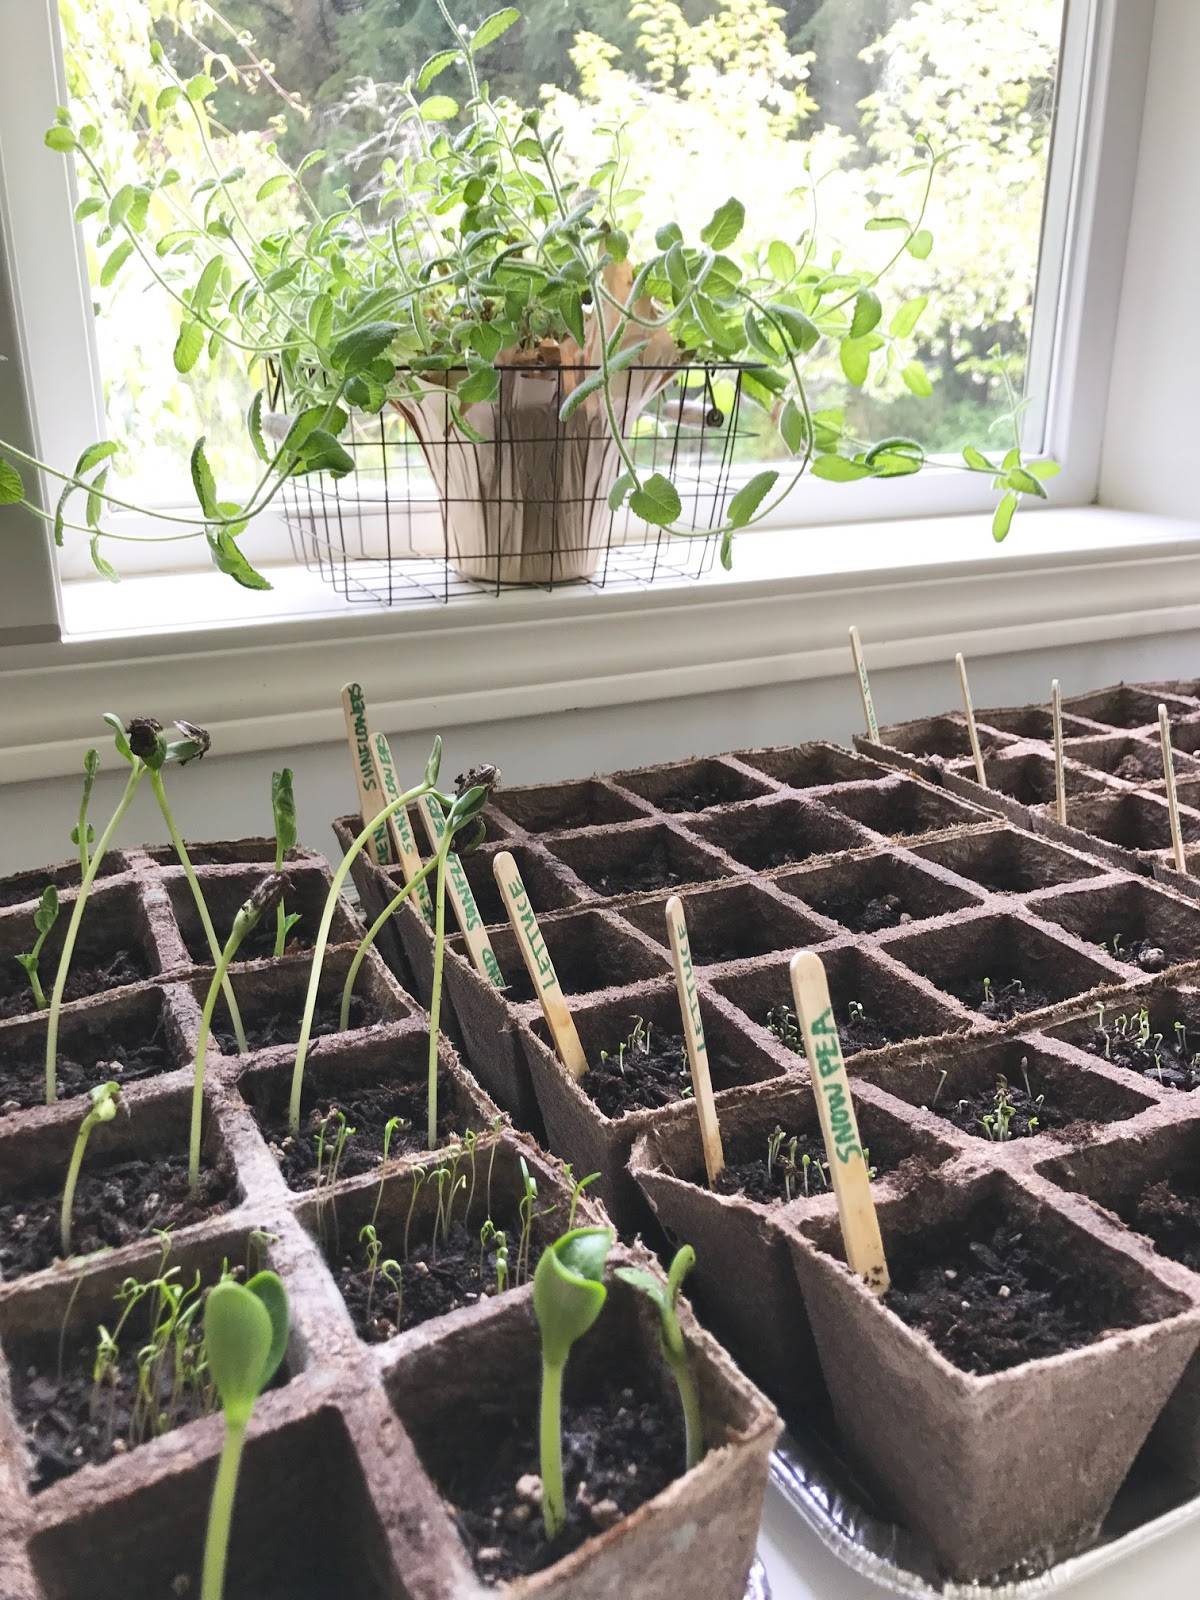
x=665, y=1298
x=373, y=932
x=105, y=1102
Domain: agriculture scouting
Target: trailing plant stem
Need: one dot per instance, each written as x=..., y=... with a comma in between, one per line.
x=220, y=1516
x=373, y=932
x=68, y=949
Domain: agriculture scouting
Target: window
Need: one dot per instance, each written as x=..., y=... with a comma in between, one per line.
x=807, y=110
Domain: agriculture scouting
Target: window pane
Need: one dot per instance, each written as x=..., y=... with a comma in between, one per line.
x=809, y=112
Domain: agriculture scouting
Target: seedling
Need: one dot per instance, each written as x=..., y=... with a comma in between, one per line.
x=856, y=1011
x=665, y=1298
x=44, y=919
x=333, y=1135
x=392, y=1127
x=577, y=1189
x=83, y=835
x=265, y=896
x=568, y=1295
x=783, y=1023
x=997, y=1123
x=245, y=1339
x=283, y=810
x=525, y=1210
x=105, y=1101
x=368, y=940
x=374, y=1247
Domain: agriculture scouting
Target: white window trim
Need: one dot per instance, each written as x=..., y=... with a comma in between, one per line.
x=1100, y=95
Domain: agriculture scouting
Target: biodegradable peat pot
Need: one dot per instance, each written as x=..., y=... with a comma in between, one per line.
x=1018, y=1465
x=467, y=1397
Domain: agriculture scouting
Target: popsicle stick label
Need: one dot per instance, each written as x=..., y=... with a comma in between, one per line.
x=532, y=945
x=370, y=795
x=404, y=844
x=1060, y=774
x=839, y=1125
x=1168, y=757
x=972, y=730
x=461, y=897
x=693, y=1033
x=864, y=686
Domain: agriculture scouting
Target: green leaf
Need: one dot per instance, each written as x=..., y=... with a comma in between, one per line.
x=323, y=453
x=880, y=224
x=492, y=27
x=167, y=98
x=118, y=733
x=320, y=318
x=188, y=346
x=569, y=1290
x=670, y=233
x=203, y=481
x=238, y=1339
x=12, y=486
x=254, y=427
x=1044, y=469
x=757, y=339
x=273, y=185
x=88, y=208
x=118, y=206
x=46, y=914
x=571, y=307
x=227, y=558
x=801, y=330
x=867, y=312
x=357, y=350
x=781, y=259
x=676, y=265
x=976, y=459
x=855, y=357
x=616, y=495
x=59, y=138
x=724, y=225
x=715, y=327
x=749, y=497
x=200, y=87
x=908, y=316
x=483, y=384
x=792, y=429
x=438, y=108
x=114, y=262
x=1002, y=520
x=920, y=244
x=656, y=502
x=917, y=379
x=283, y=808
x=269, y=1290
x=206, y=285
x=103, y=567
x=95, y=504
x=433, y=67
x=837, y=469
x=1018, y=478
x=310, y=160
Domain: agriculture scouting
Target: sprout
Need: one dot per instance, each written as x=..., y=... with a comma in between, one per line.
x=44, y=919
x=283, y=810
x=568, y=1295
x=665, y=1298
x=393, y=1126
x=105, y=1101
x=374, y=1247
x=83, y=834
x=245, y=1338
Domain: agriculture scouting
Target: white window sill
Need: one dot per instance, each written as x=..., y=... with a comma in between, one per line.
x=263, y=671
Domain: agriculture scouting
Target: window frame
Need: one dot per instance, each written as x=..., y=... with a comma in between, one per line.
x=1098, y=106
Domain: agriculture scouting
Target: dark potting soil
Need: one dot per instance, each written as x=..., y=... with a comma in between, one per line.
x=653, y=870
x=1168, y=1060
x=1168, y=1212
x=83, y=1063
x=258, y=945
x=641, y=1077
x=25, y=886
x=1014, y=1112
x=433, y=1282
x=1138, y=765
x=1148, y=954
x=368, y=1111
x=857, y=1031
x=1004, y=998
x=114, y=972
x=693, y=798
x=621, y=1447
x=783, y=1179
x=866, y=916
x=271, y=1024
x=989, y=1299
x=114, y=1205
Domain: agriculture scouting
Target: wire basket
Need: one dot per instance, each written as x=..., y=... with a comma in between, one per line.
x=431, y=515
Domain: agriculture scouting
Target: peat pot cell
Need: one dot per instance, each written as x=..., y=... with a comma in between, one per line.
x=689, y=786
x=115, y=947
x=779, y=833
x=133, y=1183
x=307, y=888
x=1135, y=760
x=79, y=1399
x=23, y=887
x=1029, y=722
x=811, y=766
x=590, y=952
x=556, y=807
x=547, y=889
x=321, y=1537
x=1157, y=1036
x=1134, y=820
x=425, y=1242
x=731, y=922
x=1029, y=778
x=220, y=853
x=130, y=1037
x=271, y=1001
x=1130, y=921
x=1185, y=736
x=1007, y=862
x=874, y=1004
x=352, y=1091
x=943, y=737
x=1008, y=1089
x=901, y=809
x=1123, y=706
x=634, y=860
x=999, y=966
x=875, y=892
x=470, y=1405
x=946, y=1390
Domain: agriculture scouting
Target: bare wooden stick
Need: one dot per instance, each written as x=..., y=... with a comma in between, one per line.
x=864, y=686
x=1060, y=775
x=370, y=801
x=404, y=844
x=693, y=1033
x=972, y=730
x=1164, y=732
x=835, y=1106
x=461, y=896
x=538, y=964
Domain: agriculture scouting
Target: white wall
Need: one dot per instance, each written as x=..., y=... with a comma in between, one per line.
x=1150, y=446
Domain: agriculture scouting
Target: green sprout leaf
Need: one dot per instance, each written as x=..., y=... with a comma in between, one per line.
x=203, y=481
x=1002, y=520
x=881, y=224
x=228, y=558
x=268, y=1289
x=239, y=1336
x=433, y=67
x=792, y=429
x=656, y=502
x=359, y=349
x=115, y=260
x=254, y=427
x=490, y=29
x=976, y=459
x=920, y=244
x=568, y=1289
x=917, y=380
x=781, y=259
x=12, y=486
x=855, y=357
x=749, y=497
x=439, y=108
x=283, y=808
x=62, y=139
x=188, y=346
x=724, y=225
x=907, y=317
x=838, y=469
x=867, y=312
x=273, y=185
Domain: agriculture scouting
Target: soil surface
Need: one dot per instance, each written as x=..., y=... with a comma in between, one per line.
x=121, y=968
x=268, y=1024
x=641, y=1076
x=694, y=797
x=989, y=1300
x=1004, y=873
x=620, y=1448
x=106, y=1055
x=367, y=1110
x=1169, y=1214
x=1003, y=999
x=1148, y=954
x=1139, y=765
x=258, y=945
x=1011, y=1110
x=25, y=886
x=653, y=870
x=866, y=916
x=783, y=1178
x=858, y=1031
x=1172, y=1061
x=114, y=1205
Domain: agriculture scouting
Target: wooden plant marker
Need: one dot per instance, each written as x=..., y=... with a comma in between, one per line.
x=864, y=686
x=1164, y=731
x=404, y=843
x=972, y=730
x=835, y=1107
x=538, y=964
x=461, y=897
x=693, y=1033
x=1060, y=776
x=370, y=792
